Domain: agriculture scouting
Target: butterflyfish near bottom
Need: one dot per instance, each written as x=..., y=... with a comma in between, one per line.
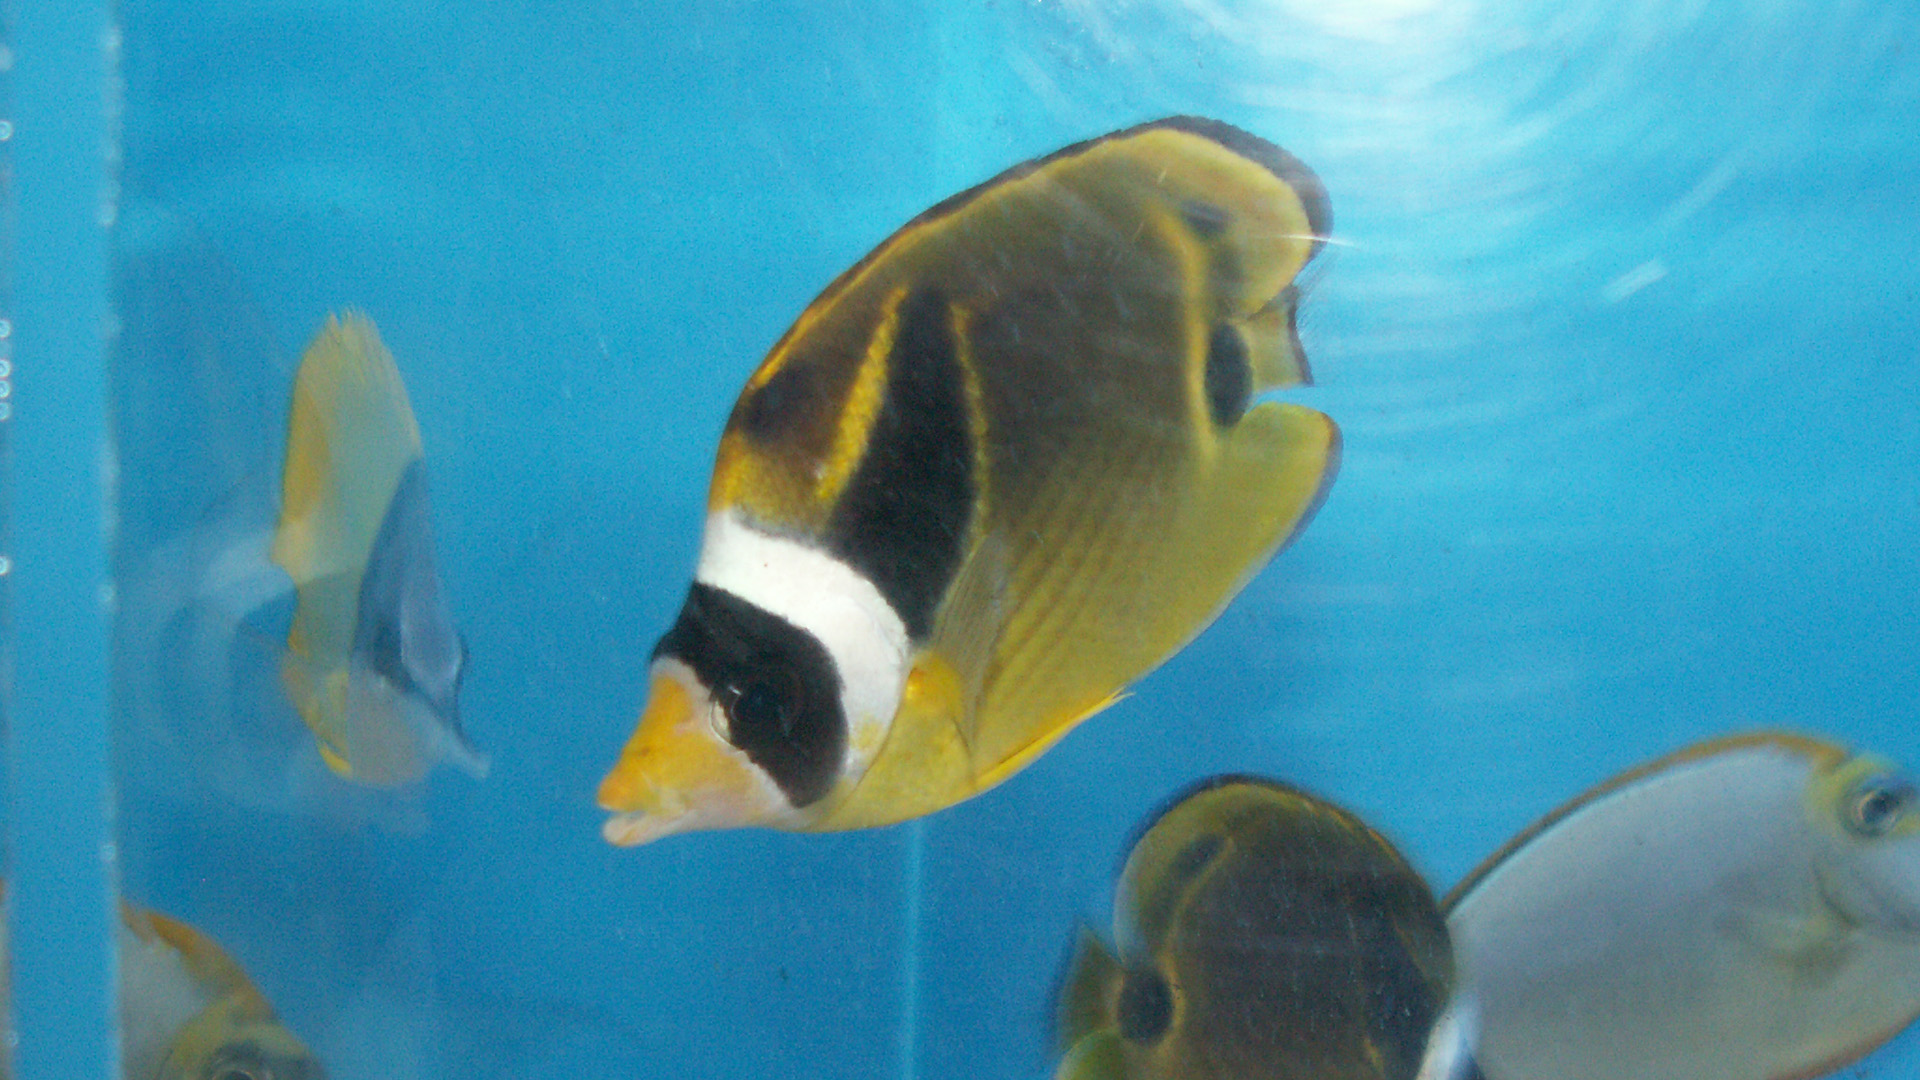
x=1262, y=933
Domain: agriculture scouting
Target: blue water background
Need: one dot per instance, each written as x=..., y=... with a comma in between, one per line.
x=1619, y=326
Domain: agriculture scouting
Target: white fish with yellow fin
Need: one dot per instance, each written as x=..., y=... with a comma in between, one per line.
x=1003, y=467
x=1746, y=909
x=372, y=663
x=1262, y=933
x=189, y=1012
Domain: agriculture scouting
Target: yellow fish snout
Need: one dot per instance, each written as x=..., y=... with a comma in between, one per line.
x=678, y=774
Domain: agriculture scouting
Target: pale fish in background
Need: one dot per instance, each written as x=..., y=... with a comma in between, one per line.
x=188, y=1011
x=373, y=663
x=1746, y=909
x=1261, y=932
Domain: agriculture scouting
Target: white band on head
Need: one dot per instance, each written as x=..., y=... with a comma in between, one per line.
x=823, y=596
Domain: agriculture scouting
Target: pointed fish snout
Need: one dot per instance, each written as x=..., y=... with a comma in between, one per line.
x=676, y=774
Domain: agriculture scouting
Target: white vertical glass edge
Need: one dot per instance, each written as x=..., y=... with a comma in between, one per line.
x=60, y=893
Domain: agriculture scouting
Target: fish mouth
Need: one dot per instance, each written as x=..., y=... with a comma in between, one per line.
x=638, y=827
x=626, y=830
x=676, y=774
x=1878, y=889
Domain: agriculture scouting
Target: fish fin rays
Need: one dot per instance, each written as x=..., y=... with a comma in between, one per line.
x=968, y=626
x=1050, y=733
x=1102, y=602
x=317, y=690
x=350, y=436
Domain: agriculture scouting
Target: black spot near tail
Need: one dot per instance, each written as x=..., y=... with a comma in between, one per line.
x=1145, y=1008
x=1229, y=375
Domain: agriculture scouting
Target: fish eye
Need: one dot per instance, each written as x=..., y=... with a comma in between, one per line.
x=767, y=702
x=1145, y=1009
x=1876, y=804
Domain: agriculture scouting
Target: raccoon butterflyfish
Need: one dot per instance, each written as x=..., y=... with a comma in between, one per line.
x=1261, y=932
x=372, y=661
x=1746, y=909
x=188, y=1011
x=1004, y=466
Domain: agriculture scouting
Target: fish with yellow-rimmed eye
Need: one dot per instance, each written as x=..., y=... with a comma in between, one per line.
x=1002, y=468
x=372, y=661
x=1261, y=933
x=1744, y=909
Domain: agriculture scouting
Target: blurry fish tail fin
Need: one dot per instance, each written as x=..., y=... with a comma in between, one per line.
x=241, y=579
x=185, y=601
x=1273, y=343
x=192, y=639
x=461, y=754
x=1087, y=990
x=459, y=749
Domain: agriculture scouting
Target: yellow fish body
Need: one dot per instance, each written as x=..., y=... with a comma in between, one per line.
x=1263, y=934
x=1744, y=909
x=372, y=662
x=1002, y=468
x=188, y=1011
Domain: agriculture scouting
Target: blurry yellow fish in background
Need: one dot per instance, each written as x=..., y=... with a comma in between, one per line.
x=188, y=1011
x=373, y=663
x=1261, y=932
x=1746, y=909
x=1003, y=467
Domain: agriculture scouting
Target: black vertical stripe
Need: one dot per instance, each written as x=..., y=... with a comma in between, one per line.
x=902, y=519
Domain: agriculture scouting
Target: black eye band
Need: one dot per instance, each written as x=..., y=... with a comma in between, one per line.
x=776, y=682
